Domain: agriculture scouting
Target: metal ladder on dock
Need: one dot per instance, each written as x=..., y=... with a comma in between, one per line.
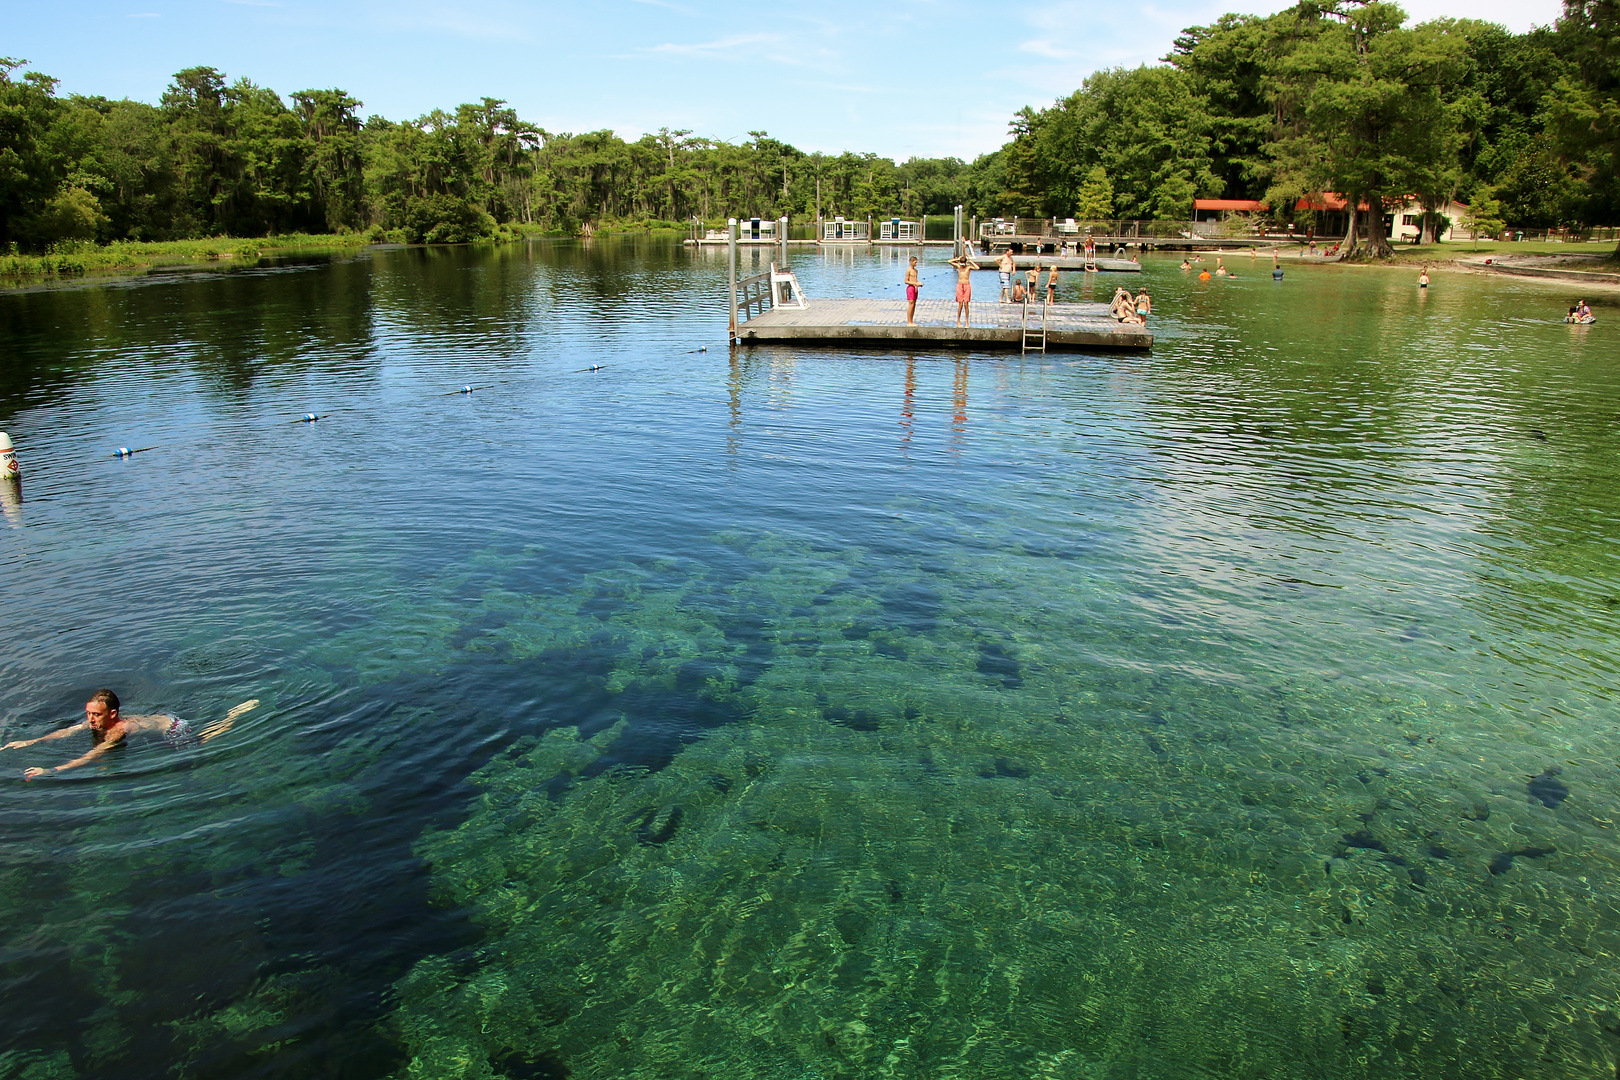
x=1033, y=339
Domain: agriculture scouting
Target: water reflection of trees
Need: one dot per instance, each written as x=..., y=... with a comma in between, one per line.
x=227, y=327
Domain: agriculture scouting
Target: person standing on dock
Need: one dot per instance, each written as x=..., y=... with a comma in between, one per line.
x=1144, y=306
x=1006, y=265
x=1032, y=285
x=1051, y=285
x=964, y=289
x=913, y=283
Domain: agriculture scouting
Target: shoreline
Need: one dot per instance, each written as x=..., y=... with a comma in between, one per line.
x=132, y=259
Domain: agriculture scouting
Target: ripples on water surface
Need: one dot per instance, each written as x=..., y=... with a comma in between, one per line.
x=1243, y=710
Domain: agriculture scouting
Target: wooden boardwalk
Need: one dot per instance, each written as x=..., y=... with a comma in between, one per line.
x=1069, y=327
x=1062, y=262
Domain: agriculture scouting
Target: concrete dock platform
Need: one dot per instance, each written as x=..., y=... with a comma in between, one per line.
x=1069, y=327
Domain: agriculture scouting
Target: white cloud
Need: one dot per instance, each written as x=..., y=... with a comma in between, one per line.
x=710, y=48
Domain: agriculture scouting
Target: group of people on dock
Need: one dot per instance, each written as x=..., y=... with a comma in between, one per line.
x=1131, y=309
x=965, y=266
x=1027, y=290
x=1018, y=290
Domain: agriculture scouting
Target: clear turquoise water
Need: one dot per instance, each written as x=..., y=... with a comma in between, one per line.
x=808, y=713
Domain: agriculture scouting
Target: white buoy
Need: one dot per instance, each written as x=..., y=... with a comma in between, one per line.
x=11, y=502
x=8, y=459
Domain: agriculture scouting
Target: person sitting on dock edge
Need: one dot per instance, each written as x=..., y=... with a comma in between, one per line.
x=913, y=283
x=1018, y=294
x=1122, y=307
x=964, y=289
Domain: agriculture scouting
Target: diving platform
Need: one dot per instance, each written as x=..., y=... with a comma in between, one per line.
x=1068, y=327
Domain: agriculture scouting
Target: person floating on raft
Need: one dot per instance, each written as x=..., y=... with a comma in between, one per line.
x=1580, y=314
x=108, y=729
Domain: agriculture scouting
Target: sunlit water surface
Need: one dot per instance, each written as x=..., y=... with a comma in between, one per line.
x=1240, y=710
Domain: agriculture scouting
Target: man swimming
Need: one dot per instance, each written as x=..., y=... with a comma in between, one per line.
x=108, y=729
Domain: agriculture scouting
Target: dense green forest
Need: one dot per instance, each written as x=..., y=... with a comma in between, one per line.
x=1338, y=96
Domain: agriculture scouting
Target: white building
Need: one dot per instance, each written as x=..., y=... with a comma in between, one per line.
x=1408, y=221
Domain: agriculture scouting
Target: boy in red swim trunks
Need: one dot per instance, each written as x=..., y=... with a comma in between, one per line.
x=964, y=289
x=913, y=283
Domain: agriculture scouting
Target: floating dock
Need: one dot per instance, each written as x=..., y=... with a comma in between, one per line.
x=1069, y=327
x=1062, y=262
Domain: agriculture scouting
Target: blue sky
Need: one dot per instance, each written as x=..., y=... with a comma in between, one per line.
x=902, y=78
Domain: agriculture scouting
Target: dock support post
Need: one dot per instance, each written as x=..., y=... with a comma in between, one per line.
x=731, y=276
x=870, y=239
x=782, y=233
x=973, y=231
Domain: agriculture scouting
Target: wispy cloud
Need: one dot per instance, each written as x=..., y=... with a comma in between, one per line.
x=711, y=48
x=1042, y=47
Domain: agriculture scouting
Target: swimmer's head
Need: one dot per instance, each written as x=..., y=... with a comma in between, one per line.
x=102, y=709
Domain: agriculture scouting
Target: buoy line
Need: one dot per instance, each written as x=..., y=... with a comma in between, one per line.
x=11, y=471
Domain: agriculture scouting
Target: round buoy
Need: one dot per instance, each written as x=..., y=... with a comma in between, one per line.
x=466, y=389
x=122, y=451
x=8, y=459
x=309, y=418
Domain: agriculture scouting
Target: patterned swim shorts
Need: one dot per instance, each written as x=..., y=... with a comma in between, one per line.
x=178, y=734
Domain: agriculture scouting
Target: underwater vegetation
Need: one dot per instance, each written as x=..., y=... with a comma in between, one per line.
x=908, y=845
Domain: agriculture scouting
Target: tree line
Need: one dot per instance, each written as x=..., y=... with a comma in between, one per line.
x=1329, y=95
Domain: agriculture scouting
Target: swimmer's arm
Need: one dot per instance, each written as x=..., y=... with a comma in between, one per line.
x=85, y=759
x=61, y=733
x=113, y=739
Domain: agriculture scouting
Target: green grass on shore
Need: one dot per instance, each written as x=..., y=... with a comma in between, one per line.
x=1457, y=250
x=76, y=260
